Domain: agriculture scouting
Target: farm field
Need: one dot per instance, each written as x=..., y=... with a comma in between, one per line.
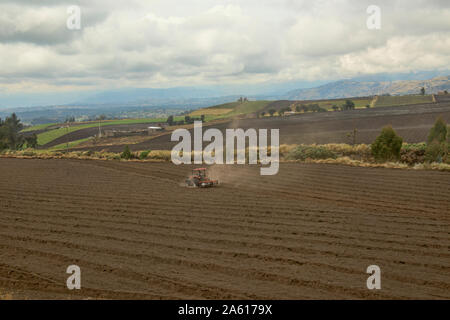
x=54, y=135
x=48, y=133
x=84, y=133
x=231, y=109
x=387, y=101
x=309, y=232
x=411, y=122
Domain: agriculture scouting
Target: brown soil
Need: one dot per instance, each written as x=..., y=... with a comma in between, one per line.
x=309, y=232
x=412, y=123
x=90, y=132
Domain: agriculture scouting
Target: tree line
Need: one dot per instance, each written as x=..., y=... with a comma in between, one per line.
x=313, y=107
x=388, y=144
x=10, y=136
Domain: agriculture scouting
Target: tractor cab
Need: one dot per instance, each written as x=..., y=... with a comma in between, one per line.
x=200, y=179
x=200, y=172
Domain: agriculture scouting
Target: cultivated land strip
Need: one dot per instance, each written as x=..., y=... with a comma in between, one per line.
x=138, y=233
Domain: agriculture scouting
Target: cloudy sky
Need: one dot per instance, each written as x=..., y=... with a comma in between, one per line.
x=166, y=43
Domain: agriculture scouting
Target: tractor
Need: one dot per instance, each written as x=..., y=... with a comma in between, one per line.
x=200, y=179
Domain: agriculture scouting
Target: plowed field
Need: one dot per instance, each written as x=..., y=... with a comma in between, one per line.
x=136, y=232
x=412, y=123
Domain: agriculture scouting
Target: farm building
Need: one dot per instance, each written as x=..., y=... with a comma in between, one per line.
x=130, y=133
x=154, y=129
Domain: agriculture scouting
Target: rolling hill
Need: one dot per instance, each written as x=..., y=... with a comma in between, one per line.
x=351, y=88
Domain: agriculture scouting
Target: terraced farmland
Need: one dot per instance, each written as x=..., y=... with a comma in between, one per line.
x=137, y=232
x=413, y=123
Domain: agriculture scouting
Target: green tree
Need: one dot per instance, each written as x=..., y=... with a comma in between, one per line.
x=202, y=117
x=282, y=111
x=437, y=145
x=170, y=120
x=11, y=132
x=387, y=145
x=126, y=154
x=349, y=105
x=422, y=91
x=144, y=154
x=31, y=141
x=272, y=112
x=314, y=107
x=438, y=132
x=3, y=143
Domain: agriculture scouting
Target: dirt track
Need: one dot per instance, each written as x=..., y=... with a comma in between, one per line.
x=136, y=232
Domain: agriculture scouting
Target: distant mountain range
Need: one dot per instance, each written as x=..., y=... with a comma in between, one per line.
x=149, y=96
x=190, y=97
x=351, y=88
x=148, y=102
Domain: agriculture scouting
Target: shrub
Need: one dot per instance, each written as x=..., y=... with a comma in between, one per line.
x=126, y=154
x=436, y=151
x=413, y=153
x=304, y=152
x=144, y=155
x=359, y=151
x=272, y=112
x=437, y=145
x=438, y=132
x=387, y=145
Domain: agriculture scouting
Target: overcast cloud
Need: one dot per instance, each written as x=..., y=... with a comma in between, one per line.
x=166, y=43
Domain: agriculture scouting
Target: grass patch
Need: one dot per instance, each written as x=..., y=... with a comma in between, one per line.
x=38, y=127
x=343, y=154
x=231, y=109
x=389, y=101
x=49, y=136
x=210, y=112
x=304, y=152
x=71, y=144
x=328, y=105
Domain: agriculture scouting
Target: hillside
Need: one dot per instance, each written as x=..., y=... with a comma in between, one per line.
x=231, y=109
x=350, y=88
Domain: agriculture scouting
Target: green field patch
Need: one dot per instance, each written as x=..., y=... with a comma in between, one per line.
x=210, y=112
x=38, y=127
x=389, y=101
x=232, y=108
x=229, y=105
x=49, y=136
x=69, y=145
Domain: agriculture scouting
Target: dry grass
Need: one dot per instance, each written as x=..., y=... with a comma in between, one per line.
x=6, y=296
x=391, y=165
x=210, y=112
x=357, y=155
